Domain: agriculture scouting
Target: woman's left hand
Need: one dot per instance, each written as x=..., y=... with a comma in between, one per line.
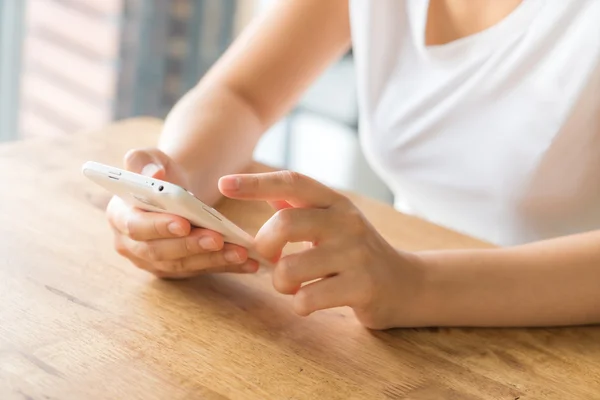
x=348, y=264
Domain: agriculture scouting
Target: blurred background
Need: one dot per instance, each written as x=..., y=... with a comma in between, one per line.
x=68, y=66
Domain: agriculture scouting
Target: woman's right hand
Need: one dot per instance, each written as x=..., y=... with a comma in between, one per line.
x=165, y=244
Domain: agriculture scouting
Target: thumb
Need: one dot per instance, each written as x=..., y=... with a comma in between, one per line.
x=149, y=162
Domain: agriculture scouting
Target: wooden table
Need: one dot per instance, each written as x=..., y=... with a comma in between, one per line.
x=78, y=322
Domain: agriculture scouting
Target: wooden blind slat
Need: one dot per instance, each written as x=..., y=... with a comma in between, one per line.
x=106, y=7
x=98, y=36
x=69, y=106
x=32, y=124
x=96, y=77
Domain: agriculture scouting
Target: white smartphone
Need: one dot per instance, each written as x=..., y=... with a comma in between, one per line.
x=156, y=195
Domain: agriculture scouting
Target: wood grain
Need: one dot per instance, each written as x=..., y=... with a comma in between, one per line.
x=78, y=322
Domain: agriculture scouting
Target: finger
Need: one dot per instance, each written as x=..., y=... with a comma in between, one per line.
x=230, y=255
x=199, y=241
x=279, y=204
x=336, y=291
x=292, y=225
x=140, y=263
x=174, y=276
x=116, y=212
x=124, y=250
x=143, y=225
x=130, y=220
x=248, y=267
x=149, y=161
x=296, y=269
x=296, y=189
x=123, y=247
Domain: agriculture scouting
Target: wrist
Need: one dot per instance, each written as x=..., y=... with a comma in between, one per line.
x=452, y=291
x=427, y=298
x=412, y=294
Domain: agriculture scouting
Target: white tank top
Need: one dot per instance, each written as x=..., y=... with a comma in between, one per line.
x=496, y=135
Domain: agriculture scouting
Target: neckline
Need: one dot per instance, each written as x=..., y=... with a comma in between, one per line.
x=511, y=26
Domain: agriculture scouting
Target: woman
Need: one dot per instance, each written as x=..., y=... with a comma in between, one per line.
x=483, y=116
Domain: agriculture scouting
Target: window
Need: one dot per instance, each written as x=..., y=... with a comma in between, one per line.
x=72, y=65
x=11, y=27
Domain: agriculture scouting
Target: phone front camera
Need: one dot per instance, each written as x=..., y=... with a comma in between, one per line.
x=161, y=188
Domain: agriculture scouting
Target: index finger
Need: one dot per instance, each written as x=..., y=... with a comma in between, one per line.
x=143, y=225
x=297, y=189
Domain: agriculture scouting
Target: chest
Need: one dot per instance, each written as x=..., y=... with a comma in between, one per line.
x=450, y=20
x=479, y=114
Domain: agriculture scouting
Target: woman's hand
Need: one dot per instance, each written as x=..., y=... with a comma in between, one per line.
x=163, y=244
x=348, y=264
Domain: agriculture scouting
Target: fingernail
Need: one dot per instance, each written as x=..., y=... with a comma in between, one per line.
x=150, y=169
x=208, y=243
x=176, y=229
x=230, y=183
x=232, y=256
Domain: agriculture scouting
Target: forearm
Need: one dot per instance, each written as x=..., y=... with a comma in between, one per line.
x=555, y=282
x=211, y=132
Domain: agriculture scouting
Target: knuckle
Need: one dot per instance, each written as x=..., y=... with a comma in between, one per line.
x=159, y=227
x=355, y=222
x=279, y=285
x=131, y=156
x=152, y=252
x=140, y=265
x=170, y=267
x=132, y=228
x=303, y=303
x=285, y=268
x=284, y=278
x=189, y=246
x=120, y=247
x=354, y=214
x=343, y=203
x=216, y=259
x=290, y=177
x=178, y=266
x=360, y=255
x=366, y=296
x=283, y=221
x=253, y=182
